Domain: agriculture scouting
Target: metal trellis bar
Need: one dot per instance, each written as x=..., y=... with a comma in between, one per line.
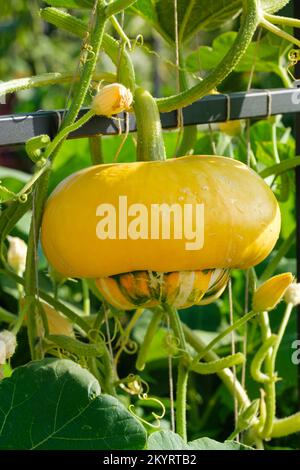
x=17, y=129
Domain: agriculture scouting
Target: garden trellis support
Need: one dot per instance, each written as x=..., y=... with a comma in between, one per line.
x=253, y=104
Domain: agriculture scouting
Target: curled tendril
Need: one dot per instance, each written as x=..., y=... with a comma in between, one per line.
x=137, y=42
x=22, y=198
x=156, y=416
x=172, y=343
x=131, y=347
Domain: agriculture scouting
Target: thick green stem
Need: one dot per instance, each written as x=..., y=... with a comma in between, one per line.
x=82, y=87
x=226, y=375
x=47, y=79
x=31, y=272
x=150, y=144
x=181, y=390
x=110, y=46
x=286, y=426
x=248, y=27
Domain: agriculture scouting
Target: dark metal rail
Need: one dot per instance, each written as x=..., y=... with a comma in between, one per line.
x=17, y=129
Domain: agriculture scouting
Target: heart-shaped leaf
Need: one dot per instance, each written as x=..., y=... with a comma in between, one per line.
x=266, y=54
x=168, y=440
x=56, y=404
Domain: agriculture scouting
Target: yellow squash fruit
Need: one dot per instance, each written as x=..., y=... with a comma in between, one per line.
x=239, y=228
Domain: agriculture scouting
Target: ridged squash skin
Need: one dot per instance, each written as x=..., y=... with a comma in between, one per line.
x=149, y=289
x=241, y=217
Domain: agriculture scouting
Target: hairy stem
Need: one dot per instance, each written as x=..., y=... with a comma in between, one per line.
x=150, y=144
x=31, y=272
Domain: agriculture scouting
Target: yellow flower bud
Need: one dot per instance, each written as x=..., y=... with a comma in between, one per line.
x=112, y=99
x=270, y=293
x=292, y=294
x=16, y=255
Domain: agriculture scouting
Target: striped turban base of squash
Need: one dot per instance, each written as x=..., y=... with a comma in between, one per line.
x=180, y=289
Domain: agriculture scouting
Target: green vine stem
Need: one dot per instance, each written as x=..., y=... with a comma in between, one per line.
x=286, y=426
x=270, y=362
x=217, y=339
x=276, y=19
x=47, y=79
x=6, y=316
x=279, y=32
x=259, y=358
x=117, y=6
x=151, y=330
x=234, y=386
x=59, y=306
x=183, y=371
x=30, y=285
x=212, y=367
x=248, y=27
x=110, y=46
x=176, y=325
x=181, y=395
x=150, y=144
x=95, y=41
x=66, y=131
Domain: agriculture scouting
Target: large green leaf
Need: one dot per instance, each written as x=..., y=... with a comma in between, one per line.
x=168, y=440
x=267, y=54
x=56, y=404
x=192, y=15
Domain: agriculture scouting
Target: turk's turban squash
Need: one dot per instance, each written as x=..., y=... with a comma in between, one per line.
x=98, y=223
